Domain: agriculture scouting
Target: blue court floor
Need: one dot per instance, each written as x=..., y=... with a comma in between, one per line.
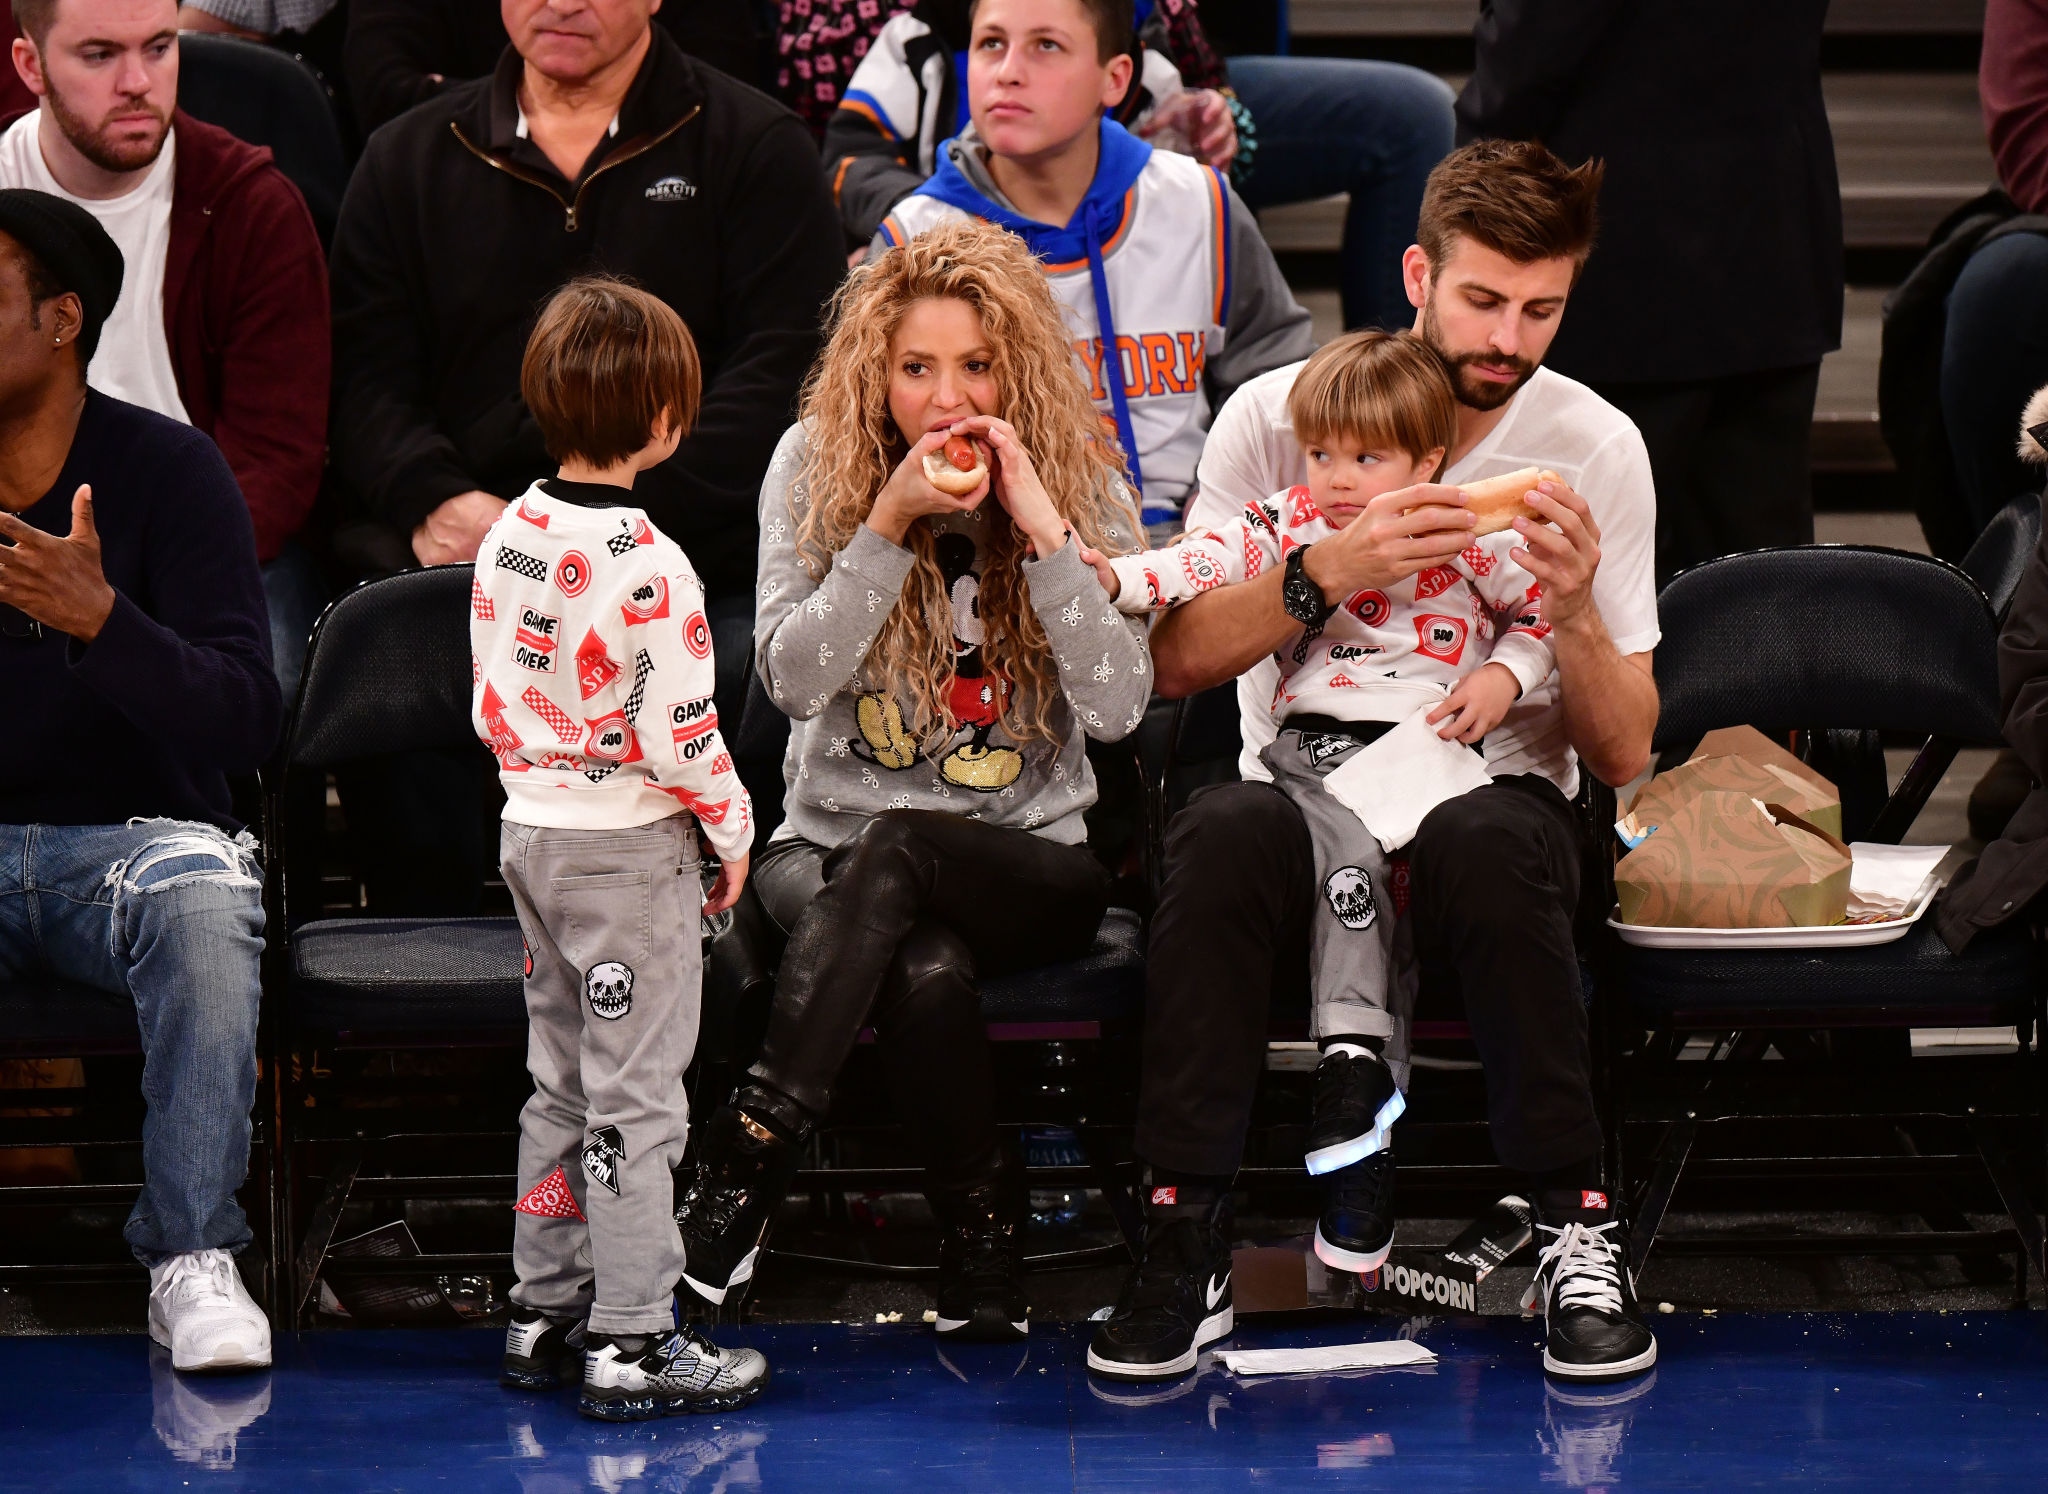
x=1900, y=1402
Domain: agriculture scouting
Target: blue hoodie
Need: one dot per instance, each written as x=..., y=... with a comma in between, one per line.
x=1123, y=156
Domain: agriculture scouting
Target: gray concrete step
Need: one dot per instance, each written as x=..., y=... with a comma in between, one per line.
x=1909, y=149
x=1309, y=19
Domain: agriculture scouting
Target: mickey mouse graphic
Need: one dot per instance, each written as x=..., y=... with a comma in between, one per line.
x=974, y=705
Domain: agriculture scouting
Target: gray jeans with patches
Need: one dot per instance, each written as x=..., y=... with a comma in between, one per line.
x=1354, y=979
x=613, y=994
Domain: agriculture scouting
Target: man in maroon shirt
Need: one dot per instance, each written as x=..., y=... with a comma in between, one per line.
x=241, y=280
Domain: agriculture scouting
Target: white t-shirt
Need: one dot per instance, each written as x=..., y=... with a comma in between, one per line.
x=1552, y=422
x=133, y=360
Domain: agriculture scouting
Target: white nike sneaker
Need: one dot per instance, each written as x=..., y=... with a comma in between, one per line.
x=201, y=1312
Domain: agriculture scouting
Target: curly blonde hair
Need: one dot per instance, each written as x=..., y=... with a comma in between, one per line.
x=854, y=446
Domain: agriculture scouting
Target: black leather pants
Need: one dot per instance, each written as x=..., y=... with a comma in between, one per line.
x=890, y=930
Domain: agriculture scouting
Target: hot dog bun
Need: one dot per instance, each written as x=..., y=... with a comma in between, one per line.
x=942, y=469
x=1499, y=501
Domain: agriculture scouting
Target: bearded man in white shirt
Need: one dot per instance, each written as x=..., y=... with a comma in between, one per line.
x=1494, y=875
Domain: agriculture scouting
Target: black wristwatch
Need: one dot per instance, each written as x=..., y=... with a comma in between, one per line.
x=1302, y=598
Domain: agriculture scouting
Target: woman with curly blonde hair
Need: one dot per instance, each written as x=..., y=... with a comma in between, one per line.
x=945, y=659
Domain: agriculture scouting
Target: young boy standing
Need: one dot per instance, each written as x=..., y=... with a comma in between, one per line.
x=1374, y=413
x=1172, y=296
x=593, y=687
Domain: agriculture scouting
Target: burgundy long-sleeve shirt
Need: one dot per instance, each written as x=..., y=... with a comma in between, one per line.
x=2012, y=82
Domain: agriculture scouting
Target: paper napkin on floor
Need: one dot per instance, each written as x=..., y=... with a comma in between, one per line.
x=1400, y=778
x=1381, y=1353
x=1884, y=880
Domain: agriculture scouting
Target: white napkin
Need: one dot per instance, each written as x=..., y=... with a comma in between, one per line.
x=1884, y=880
x=1382, y=1353
x=1400, y=778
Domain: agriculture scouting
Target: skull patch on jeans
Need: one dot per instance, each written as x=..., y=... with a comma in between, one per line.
x=1349, y=892
x=610, y=989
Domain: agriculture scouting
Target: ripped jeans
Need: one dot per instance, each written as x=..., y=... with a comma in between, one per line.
x=170, y=914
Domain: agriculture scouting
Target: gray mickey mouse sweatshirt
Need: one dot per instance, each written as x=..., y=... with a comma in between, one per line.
x=849, y=757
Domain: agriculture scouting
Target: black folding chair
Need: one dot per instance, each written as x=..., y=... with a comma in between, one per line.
x=1999, y=556
x=387, y=672
x=1831, y=640
x=259, y=94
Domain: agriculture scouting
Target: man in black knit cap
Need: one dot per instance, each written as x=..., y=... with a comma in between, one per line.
x=135, y=677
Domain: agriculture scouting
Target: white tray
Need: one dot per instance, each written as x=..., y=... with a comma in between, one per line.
x=1835, y=936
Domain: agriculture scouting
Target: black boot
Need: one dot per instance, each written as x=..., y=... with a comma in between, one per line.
x=724, y=1204
x=1175, y=1302
x=981, y=1260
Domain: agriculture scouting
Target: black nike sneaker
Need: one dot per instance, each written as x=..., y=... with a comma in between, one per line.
x=1174, y=1303
x=726, y=1201
x=1593, y=1326
x=541, y=1353
x=981, y=1264
x=1355, y=1104
x=1356, y=1229
x=664, y=1374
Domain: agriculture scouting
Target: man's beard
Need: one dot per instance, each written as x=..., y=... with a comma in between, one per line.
x=95, y=145
x=1473, y=391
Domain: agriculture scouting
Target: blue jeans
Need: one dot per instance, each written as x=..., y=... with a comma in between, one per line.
x=170, y=914
x=1994, y=355
x=1337, y=124
x=294, y=592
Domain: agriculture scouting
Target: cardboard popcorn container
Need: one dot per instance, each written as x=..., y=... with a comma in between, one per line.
x=1742, y=760
x=1724, y=860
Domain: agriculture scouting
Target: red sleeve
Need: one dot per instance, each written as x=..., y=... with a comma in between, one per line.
x=14, y=95
x=2012, y=80
x=275, y=357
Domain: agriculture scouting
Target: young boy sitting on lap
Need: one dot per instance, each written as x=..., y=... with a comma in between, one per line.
x=1151, y=254
x=593, y=687
x=1374, y=413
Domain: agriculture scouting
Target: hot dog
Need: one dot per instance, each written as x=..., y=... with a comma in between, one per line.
x=1499, y=501
x=957, y=467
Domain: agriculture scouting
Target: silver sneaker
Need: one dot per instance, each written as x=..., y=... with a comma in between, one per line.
x=669, y=1374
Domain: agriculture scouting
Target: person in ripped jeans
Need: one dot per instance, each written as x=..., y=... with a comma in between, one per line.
x=135, y=681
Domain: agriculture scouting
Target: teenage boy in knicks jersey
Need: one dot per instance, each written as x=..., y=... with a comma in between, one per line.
x=1151, y=253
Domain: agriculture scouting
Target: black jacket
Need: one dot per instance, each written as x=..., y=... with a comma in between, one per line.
x=454, y=232
x=2013, y=870
x=1720, y=246
x=177, y=693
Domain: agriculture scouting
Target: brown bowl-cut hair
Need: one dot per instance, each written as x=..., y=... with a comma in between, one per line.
x=1513, y=197
x=1376, y=391
x=605, y=364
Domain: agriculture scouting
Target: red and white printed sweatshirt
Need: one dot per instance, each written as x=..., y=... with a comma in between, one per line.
x=1382, y=653
x=592, y=662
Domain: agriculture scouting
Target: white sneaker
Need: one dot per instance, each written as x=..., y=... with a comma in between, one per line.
x=201, y=1312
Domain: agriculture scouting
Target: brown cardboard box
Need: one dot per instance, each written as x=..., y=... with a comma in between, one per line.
x=1724, y=861
x=1742, y=760
x=1747, y=741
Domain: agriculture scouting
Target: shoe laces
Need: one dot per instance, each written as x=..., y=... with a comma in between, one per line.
x=1581, y=1268
x=708, y=1205
x=1364, y=1184
x=1172, y=1253
x=199, y=1275
x=1339, y=1076
x=984, y=1253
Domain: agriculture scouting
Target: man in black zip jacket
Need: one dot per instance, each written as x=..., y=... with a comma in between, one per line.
x=597, y=145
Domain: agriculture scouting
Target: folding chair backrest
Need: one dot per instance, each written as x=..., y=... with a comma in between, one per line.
x=388, y=670
x=1827, y=636
x=261, y=95
x=1999, y=557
